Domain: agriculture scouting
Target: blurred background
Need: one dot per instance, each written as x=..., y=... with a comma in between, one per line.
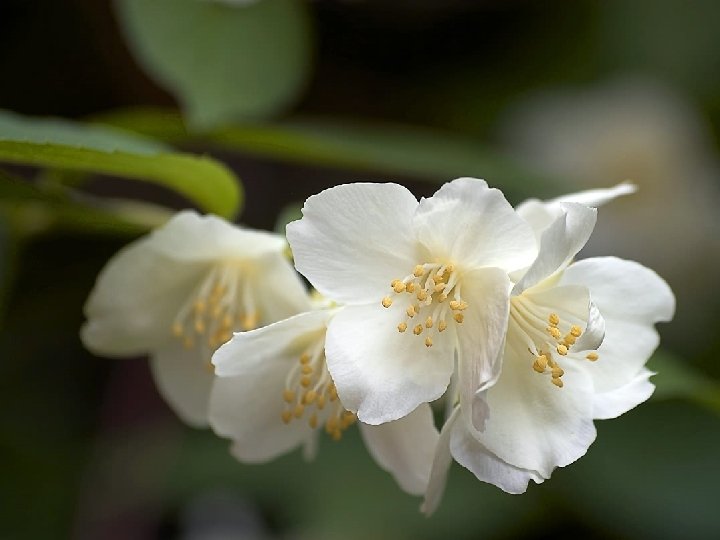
x=538, y=98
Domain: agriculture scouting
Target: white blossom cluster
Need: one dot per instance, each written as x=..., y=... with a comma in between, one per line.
x=458, y=299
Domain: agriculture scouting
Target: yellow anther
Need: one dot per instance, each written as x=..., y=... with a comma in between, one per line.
x=177, y=329
x=419, y=270
x=410, y=311
x=199, y=307
x=557, y=372
x=454, y=304
x=288, y=395
x=286, y=416
x=305, y=381
x=553, y=319
x=216, y=312
x=439, y=287
x=562, y=350
x=227, y=321
x=386, y=302
x=402, y=327
x=459, y=318
x=399, y=286
x=442, y=298
x=331, y=424
x=249, y=321
x=428, y=341
x=199, y=326
x=333, y=393
x=410, y=287
x=188, y=342
x=306, y=369
x=569, y=340
x=575, y=331
x=422, y=295
x=442, y=325
x=394, y=282
x=298, y=410
x=428, y=322
x=540, y=363
x=554, y=332
x=305, y=358
x=592, y=356
x=320, y=402
x=313, y=421
x=336, y=435
x=310, y=396
x=557, y=382
x=418, y=330
x=450, y=268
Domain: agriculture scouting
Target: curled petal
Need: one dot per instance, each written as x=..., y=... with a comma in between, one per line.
x=619, y=401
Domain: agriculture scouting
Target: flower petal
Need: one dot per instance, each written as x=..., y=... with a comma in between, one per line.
x=249, y=351
x=486, y=466
x=405, y=448
x=619, y=401
x=189, y=236
x=482, y=335
x=532, y=424
x=632, y=299
x=380, y=373
x=354, y=239
x=184, y=379
x=248, y=409
x=440, y=466
x=135, y=300
x=473, y=225
x=597, y=197
x=560, y=242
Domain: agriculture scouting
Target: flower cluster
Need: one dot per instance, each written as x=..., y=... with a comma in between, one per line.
x=459, y=296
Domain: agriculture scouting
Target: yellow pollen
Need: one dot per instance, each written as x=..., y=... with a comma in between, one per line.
x=286, y=416
x=199, y=307
x=298, y=410
x=305, y=358
x=288, y=395
x=540, y=363
x=199, y=326
x=428, y=341
x=419, y=270
x=410, y=287
x=402, y=327
x=418, y=330
x=310, y=396
x=442, y=325
x=249, y=321
x=386, y=302
x=306, y=369
x=569, y=340
x=553, y=319
x=450, y=268
x=320, y=402
x=557, y=382
x=439, y=287
x=399, y=286
x=554, y=332
x=313, y=421
x=557, y=372
x=410, y=311
x=305, y=381
x=575, y=331
x=592, y=356
x=459, y=318
x=422, y=295
x=442, y=298
x=454, y=304
x=428, y=322
x=562, y=349
x=331, y=424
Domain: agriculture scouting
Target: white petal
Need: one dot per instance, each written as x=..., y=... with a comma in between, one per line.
x=481, y=336
x=619, y=401
x=189, y=236
x=632, y=299
x=184, y=379
x=405, y=448
x=380, y=373
x=594, y=333
x=135, y=300
x=472, y=225
x=531, y=423
x=249, y=351
x=248, y=409
x=354, y=239
x=597, y=197
x=486, y=466
x=440, y=467
x=560, y=242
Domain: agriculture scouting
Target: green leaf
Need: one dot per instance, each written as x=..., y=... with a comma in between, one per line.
x=373, y=147
x=222, y=62
x=677, y=379
x=66, y=145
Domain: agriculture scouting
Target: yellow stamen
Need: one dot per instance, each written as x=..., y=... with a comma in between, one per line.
x=459, y=318
x=410, y=311
x=386, y=302
x=288, y=395
x=402, y=327
x=575, y=331
x=286, y=416
x=418, y=330
x=592, y=356
x=298, y=410
x=419, y=270
x=557, y=382
x=553, y=319
x=442, y=325
x=562, y=349
x=428, y=341
x=428, y=322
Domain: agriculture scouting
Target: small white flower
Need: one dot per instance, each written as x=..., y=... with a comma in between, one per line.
x=273, y=393
x=178, y=293
x=421, y=281
x=577, y=341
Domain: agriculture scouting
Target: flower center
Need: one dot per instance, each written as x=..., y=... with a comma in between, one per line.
x=547, y=337
x=221, y=303
x=309, y=389
x=432, y=293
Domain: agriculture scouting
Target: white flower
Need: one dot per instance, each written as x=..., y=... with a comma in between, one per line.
x=421, y=281
x=577, y=341
x=178, y=294
x=273, y=393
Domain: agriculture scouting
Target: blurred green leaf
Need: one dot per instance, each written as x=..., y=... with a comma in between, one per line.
x=677, y=379
x=222, y=62
x=66, y=145
x=374, y=147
